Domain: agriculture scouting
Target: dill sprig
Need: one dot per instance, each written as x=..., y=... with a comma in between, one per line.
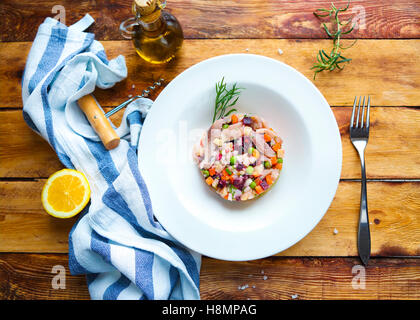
x=334, y=59
x=225, y=99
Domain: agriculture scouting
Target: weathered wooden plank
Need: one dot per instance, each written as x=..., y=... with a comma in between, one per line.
x=221, y=19
x=393, y=213
x=310, y=278
x=28, y=276
x=392, y=151
x=393, y=147
x=377, y=68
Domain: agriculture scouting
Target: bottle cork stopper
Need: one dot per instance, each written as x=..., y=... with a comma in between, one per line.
x=145, y=7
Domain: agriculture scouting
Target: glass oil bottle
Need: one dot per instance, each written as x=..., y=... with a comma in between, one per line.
x=156, y=34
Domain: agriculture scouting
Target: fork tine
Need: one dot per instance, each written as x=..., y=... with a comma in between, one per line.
x=352, y=114
x=363, y=113
x=367, y=114
x=358, y=112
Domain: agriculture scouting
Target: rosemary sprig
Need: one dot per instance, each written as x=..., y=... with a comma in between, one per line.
x=334, y=59
x=225, y=99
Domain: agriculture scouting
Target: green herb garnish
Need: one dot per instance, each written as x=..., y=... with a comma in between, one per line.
x=225, y=99
x=334, y=59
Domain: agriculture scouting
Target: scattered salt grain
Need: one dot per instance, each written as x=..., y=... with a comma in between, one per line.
x=243, y=287
x=265, y=277
x=247, y=49
x=133, y=86
x=130, y=95
x=294, y=296
x=280, y=51
x=253, y=287
x=335, y=231
x=262, y=271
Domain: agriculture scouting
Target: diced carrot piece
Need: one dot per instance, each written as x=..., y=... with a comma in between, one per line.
x=279, y=166
x=257, y=181
x=224, y=177
x=259, y=189
x=234, y=118
x=267, y=138
x=231, y=179
x=209, y=180
x=277, y=146
x=273, y=161
x=226, y=197
x=269, y=179
x=212, y=171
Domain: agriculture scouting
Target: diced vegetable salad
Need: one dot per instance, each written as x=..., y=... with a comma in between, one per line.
x=240, y=157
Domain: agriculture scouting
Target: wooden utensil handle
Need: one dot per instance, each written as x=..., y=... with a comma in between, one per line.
x=99, y=122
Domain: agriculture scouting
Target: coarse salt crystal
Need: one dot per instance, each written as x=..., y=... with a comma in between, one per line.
x=265, y=277
x=280, y=51
x=335, y=231
x=294, y=296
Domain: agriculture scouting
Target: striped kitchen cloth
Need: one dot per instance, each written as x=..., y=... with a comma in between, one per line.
x=117, y=243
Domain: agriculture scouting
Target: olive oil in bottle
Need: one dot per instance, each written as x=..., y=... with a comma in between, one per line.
x=156, y=34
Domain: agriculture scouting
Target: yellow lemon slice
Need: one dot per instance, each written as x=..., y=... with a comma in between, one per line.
x=65, y=193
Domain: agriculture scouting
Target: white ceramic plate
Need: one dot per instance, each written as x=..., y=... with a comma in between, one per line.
x=199, y=218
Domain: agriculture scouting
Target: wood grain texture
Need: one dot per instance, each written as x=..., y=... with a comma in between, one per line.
x=393, y=214
x=309, y=278
x=392, y=151
x=221, y=19
x=28, y=276
x=377, y=68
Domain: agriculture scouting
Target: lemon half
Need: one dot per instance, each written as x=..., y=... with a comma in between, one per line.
x=65, y=193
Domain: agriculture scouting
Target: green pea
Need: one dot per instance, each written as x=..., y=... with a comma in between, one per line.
x=225, y=126
x=267, y=164
x=228, y=171
x=206, y=173
x=252, y=185
x=232, y=160
x=250, y=150
x=280, y=160
x=249, y=170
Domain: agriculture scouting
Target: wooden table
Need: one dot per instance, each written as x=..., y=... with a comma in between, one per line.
x=385, y=65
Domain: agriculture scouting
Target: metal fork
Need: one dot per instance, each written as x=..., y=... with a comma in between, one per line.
x=359, y=135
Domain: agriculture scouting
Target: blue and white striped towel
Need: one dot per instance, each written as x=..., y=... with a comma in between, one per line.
x=117, y=243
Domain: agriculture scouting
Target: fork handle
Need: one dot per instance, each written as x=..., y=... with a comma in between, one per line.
x=363, y=237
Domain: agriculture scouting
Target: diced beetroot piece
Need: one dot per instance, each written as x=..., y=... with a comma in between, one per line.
x=220, y=156
x=264, y=184
x=247, y=121
x=222, y=183
x=239, y=166
x=239, y=183
x=238, y=198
